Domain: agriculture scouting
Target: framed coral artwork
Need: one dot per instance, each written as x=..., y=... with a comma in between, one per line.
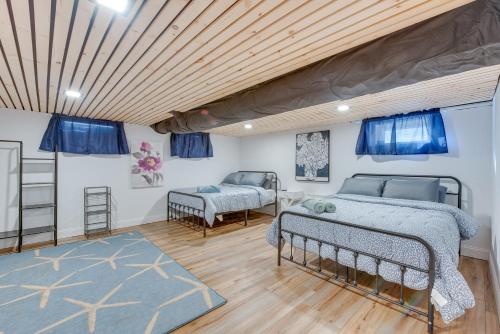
x=146, y=164
x=312, y=156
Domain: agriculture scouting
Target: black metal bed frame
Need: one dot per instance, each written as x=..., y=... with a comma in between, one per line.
x=195, y=217
x=345, y=280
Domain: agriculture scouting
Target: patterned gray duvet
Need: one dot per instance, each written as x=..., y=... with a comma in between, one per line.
x=440, y=225
x=231, y=198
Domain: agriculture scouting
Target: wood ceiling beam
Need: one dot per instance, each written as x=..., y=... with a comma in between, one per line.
x=175, y=54
x=334, y=39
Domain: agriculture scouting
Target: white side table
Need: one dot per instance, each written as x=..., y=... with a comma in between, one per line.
x=289, y=198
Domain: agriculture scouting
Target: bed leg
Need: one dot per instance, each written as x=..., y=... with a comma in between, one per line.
x=246, y=217
x=430, y=287
x=204, y=228
x=279, y=241
x=279, y=250
x=430, y=325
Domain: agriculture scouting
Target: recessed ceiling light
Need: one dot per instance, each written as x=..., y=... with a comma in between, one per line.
x=248, y=126
x=116, y=5
x=343, y=108
x=72, y=93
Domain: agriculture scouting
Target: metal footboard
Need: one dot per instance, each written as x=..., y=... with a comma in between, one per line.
x=352, y=281
x=190, y=216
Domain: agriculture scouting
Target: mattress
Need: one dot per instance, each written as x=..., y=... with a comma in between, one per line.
x=442, y=226
x=231, y=198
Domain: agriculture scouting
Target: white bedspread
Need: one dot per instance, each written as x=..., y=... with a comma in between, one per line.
x=440, y=225
x=231, y=198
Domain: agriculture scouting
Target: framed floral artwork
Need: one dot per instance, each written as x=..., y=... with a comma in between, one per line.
x=312, y=156
x=146, y=164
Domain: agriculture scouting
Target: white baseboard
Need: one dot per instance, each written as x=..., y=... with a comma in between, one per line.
x=69, y=232
x=475, y=252
x=78, y=231
x=494, y=282
x=138, y=221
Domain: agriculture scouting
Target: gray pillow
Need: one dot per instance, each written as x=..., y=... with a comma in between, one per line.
x=253, y=179
x=442, y=194
x=420, y=190
x=362, y=186
x=268, y=182
x=233, y=178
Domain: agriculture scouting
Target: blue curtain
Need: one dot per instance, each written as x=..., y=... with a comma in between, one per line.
x=84, y=136
x=191, y=145
x=420, y=132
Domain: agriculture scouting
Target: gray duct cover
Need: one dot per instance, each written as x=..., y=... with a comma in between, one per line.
x=463, y=39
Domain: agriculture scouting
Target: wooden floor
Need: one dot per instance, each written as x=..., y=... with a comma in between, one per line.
x=240, y=265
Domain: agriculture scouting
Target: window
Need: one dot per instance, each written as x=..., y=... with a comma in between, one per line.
x=411, y=135
x=84, y=136
x=420, y=132
x=191, y=145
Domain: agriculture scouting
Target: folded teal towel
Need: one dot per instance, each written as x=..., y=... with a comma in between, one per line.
x=330, y=207
x=208, y=189
x=314, y=205
x=319, y=206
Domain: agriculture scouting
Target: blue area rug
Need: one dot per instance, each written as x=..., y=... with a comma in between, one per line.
x=120, y=284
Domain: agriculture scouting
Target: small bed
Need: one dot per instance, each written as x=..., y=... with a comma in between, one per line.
x=413, y=243
x=238, y=192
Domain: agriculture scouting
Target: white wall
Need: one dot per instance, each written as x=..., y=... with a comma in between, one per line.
x=131, y=206
x=495, y=226
x=469, y=136
x=468, y=128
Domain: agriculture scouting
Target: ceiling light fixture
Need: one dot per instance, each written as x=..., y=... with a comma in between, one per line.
x=343, y=108
x=248, y=126
x=117, y=5
x=72, y=93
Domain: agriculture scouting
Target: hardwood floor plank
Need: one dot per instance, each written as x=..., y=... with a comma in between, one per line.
x=240, y=265
x=262, y=298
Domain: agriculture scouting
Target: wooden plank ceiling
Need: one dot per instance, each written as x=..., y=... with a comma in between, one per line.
x=175, y=54
x=463, y=88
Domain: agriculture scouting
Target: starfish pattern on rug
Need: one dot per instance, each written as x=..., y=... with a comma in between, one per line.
x=139, y=289
x=156, y=266
x=110, y=259
x=7, y=286
x=198, y=287
x=135, y=241
x=55, y=261
x=90, y=309
x=45, y=290
x=103, y=241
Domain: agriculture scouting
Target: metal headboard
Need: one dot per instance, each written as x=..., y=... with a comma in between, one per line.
x=275, y=184
x=440, y=177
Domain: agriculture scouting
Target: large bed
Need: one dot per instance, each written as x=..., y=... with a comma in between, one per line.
x=413, y=243
x=197, y=210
